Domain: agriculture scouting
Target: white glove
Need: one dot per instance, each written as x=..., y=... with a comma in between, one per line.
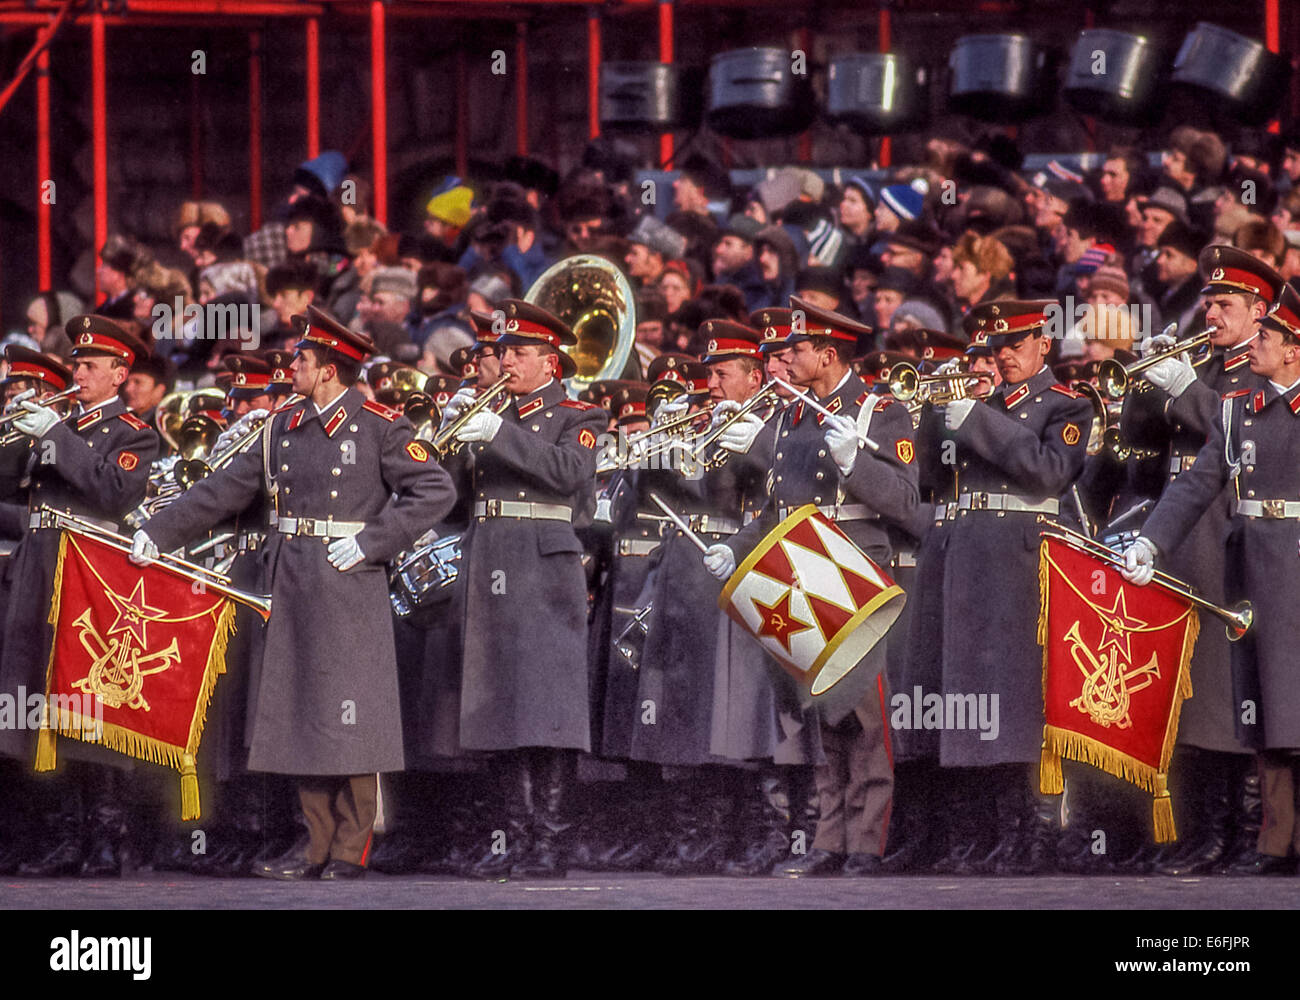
x=604, y=510
x=740, y=435
x=722, y=410
x=22, y=397
x=143, y=549
x=1140, y=562
x=842, y=441
x=956, y=412
x=666, y=411
x=1173, y=375
x=483, y=426
x=1157, y=342
x=456, y=405
x=37, y=420
x=720, y=561
x=236, y=430
x=949, y=367
x=344, y=553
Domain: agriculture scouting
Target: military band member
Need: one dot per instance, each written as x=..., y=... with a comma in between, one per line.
x=1212, y=771
x=95, y=466
x=350, y=490
x=821, y=460
x=1254, y=451
x=524, y=675
x=1015, y=455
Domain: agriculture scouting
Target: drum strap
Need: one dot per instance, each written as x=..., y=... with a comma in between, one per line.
x=864, y=428
x=272, y=486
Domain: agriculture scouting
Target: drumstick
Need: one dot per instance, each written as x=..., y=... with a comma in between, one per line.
x=819, y=408
x=686, y=528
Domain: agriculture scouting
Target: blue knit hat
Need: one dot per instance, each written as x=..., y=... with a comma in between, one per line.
x=863, y=186
x=904, y=201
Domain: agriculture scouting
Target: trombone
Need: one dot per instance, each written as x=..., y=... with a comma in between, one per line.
x=1114, y=378
x=13, y=437
x=445, y=441
x=1239, y=618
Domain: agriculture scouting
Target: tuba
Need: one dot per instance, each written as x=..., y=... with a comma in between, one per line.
x=594, y=299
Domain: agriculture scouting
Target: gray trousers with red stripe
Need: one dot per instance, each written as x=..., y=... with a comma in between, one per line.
x=855, y=787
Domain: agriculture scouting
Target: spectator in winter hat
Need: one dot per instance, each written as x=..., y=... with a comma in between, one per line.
x=857, y=210
x=678, y=283
x=1263, y=240
x=893, y=288
x=899, y=203
x=910, y=247
x=777, y=263
x=1177, y=272
x=653, y=245
x=734, y=263
x=981, y=267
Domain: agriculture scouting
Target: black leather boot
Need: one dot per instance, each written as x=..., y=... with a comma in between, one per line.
x=703, y=809
x=515, y=782
x=916, y=828
x=765, y=815
x=552, y=770
x=108, y=822
x=972, y=824
x=1248, y=809
x=1210, y=847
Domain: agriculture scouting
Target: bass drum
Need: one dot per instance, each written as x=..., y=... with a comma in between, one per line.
x=755, y=94
x=1114, y=75
x=1245, y=81
x=420, y=583
x=1000, y=78
x=876, y=93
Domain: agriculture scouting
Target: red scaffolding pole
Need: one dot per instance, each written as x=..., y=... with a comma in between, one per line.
x=43, y=168
x=1272, y=40
x=313, y=87
x=666, y=57
x=99, y=129
x=884, y=27
x=521, y=88
x=379, y=111
x=593, y=73
x=254, y=130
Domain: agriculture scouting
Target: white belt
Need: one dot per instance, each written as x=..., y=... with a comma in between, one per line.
x=318, y=528
x=709, y=524
x=524, y=509
x=1181, y=463
x=844, y=512
x=50, y=519
x=1006, y=501
x=1272, y=509
x=637, y=546
x=905, y=560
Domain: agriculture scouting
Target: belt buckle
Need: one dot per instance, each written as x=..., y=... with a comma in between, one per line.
x=307, y=526
x=492, y=508
x=1274, y=508
x=979, y=501
x=703, y=526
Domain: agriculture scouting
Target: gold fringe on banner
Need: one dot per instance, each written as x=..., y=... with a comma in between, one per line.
x=1050, y=781
x=126, y=741
x=1162, y=813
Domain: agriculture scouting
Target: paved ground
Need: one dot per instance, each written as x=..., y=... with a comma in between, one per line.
x=645, y=892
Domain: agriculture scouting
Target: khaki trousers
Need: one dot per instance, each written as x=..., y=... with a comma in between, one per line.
x=855, y=787
x=340, y=815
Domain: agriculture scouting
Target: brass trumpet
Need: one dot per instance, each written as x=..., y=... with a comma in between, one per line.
x=673, y=433
x=13, y=437
x=1114, y=378
x=906, y=383
x=445, y=441
x=766, y=396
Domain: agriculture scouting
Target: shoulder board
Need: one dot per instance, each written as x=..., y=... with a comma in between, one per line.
x=1065, y=391
x=131, y=420
x=861, y=399
x=882, y=402
x=577, y=404
x=1236, y=393
x=388, y=413
x=287, y=405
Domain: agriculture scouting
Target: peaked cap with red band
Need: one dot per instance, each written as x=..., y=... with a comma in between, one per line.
x=92, y=334
x=26, y=363
x=249, y=375
x=629, y=403
x=526, y=323
x=483, y=327
x=319, y=329
x=683, y=369
x=279, y=362
x=1010, y=320
x=822, y=323
x=728, y=339
x=1227, y=269
x=773, y=326
x=1285, y=312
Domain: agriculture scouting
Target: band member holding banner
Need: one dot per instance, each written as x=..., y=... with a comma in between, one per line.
x=1172, y=412
x=822, y=459
x=524, y=678
x=1254, y=450
x=96, y=466
x=1015, y=454
x=350, y=489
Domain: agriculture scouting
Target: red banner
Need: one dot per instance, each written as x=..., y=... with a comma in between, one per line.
x=1115, y=672
x=136, y=655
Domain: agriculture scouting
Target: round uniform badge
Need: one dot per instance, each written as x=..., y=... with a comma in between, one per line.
x=586, y=438
x=128, y=460
x=1070, y=434
x=417, y=451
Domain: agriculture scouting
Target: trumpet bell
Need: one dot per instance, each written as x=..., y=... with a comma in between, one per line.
x=904, y=382
x=594, y=299
x=197, y=436
x=423, y=413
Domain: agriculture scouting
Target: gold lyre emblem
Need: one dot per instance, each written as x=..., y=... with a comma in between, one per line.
x=1109, y=677
x=119, y=663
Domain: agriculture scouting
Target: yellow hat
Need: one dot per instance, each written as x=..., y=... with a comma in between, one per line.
x=452, y=206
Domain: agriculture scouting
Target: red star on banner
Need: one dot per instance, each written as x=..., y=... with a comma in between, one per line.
x=1116, y=627
x=779, y=622
x=133, y=614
